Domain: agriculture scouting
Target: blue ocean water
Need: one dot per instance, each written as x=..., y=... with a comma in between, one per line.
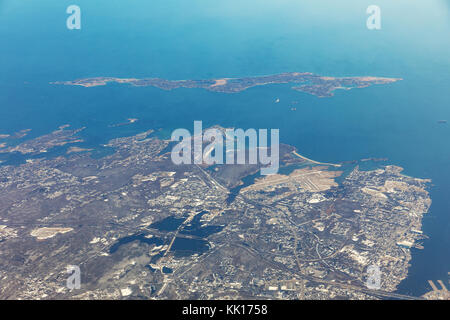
x=207, y=39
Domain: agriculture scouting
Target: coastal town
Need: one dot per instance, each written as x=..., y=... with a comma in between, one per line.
x=140, y=227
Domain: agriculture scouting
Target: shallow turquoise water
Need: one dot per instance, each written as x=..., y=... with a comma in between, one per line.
x=205, y=39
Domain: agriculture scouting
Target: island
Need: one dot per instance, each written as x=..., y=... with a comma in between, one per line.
x=320, y=86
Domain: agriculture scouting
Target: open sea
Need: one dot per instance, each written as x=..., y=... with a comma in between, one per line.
x=205, y=39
